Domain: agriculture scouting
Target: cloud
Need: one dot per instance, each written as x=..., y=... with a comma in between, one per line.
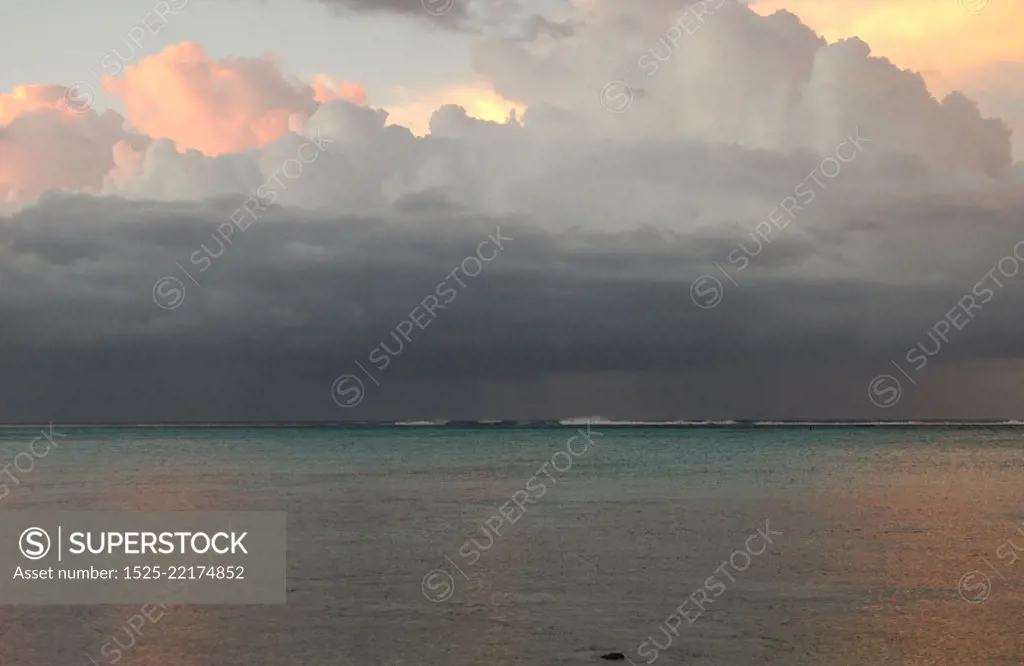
x=326, y=89
x=732, y=76
x=458, y=14
x=217, y=107
x=45, y=148
x=24, y=99
x=298, y=297
x=307, y=265
x=45, y=144
x=761, y=83
x=414, y=108
x=978, y=52
x=923, y=35
x=718, y=113
x=999, y=91
x=178, y=101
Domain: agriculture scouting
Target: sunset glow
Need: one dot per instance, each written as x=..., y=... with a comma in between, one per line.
x=480, y=102
x=31, y=97
x=930, y=36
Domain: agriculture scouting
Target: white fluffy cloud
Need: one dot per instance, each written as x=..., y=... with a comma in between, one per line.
x=724, y=92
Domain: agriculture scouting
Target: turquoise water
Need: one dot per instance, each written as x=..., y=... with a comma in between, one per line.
x=878, y=528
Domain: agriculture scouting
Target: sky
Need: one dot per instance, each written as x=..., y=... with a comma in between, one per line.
x=294, y=210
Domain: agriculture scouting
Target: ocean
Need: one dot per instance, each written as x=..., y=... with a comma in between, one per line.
x=500, y=545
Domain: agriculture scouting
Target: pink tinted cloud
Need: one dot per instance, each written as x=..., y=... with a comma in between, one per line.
x=43, y=150
x=217, y=107
x=45, y=145
x=34, y=97
x=326, y=89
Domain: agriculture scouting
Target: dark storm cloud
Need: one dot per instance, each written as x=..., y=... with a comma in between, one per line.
x=296, y=301
x=449, y=13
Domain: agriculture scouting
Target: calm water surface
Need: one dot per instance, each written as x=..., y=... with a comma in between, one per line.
x=878, y=528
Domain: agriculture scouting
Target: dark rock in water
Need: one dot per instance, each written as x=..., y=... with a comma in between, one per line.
x=613, y=656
